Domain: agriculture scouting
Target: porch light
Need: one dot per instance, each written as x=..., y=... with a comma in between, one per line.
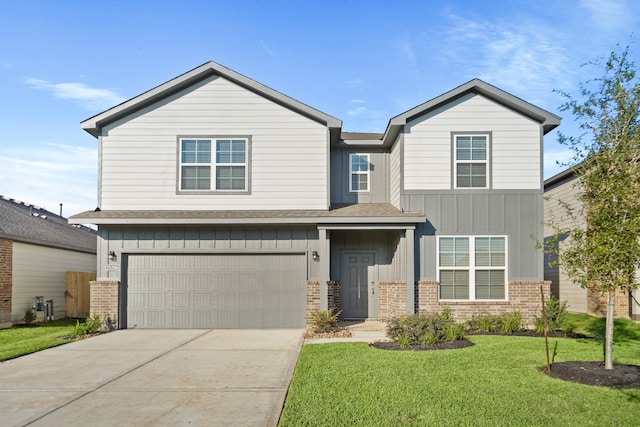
x=315, y=256
x=112, y=256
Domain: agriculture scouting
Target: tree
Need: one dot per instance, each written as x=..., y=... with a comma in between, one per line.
x=605, y=254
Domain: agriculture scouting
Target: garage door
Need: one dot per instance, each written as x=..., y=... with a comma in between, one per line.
x=216, y=291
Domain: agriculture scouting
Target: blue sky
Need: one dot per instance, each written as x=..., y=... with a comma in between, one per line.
x=360, y=61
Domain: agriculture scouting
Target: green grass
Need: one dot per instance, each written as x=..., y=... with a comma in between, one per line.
x=18, y=341
x=497, y=382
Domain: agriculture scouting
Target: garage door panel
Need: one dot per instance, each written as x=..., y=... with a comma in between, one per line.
x=216, y=291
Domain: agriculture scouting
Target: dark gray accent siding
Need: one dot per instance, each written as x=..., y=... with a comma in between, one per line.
x=385, y=243
x=379, y=177
x=203, y=240
x=516, y=215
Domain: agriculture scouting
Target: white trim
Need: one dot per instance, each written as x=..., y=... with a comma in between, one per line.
x=472, y=268
x=213, y=164
x=365, y=173
x=471, y=162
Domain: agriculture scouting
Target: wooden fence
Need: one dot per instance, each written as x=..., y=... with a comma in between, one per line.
x=78, y=293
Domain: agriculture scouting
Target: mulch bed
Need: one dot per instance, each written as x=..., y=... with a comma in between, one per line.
x=594, y=373
x=447, y=345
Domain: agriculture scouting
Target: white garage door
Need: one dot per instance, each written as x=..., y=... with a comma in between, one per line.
x=216, y=291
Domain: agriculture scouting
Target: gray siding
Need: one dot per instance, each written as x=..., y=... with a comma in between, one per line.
x=513, y=214
x=562, y=286
x=385, y=243
x=202, y=240
x=395, y=175
x=379, y=177
x=515, y=145
x=42, y=271
x=288, y=159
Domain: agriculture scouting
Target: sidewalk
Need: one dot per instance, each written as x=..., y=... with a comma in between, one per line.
x=361, y=331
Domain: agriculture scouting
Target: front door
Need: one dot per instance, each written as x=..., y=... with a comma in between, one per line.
x=358, y=285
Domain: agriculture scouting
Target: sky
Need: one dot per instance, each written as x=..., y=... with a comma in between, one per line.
x=363, y=62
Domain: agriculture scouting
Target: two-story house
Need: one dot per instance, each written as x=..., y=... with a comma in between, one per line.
x=226, y=204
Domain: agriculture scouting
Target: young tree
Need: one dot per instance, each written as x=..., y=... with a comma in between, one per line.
x=605, y=254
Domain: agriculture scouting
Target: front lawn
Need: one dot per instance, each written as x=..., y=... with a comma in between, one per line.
x=18, y=340
x=496, y=382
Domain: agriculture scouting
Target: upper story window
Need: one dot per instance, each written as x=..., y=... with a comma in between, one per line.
x=213, y=164
x=471, y=161
x=359, y=172
x=472, y=268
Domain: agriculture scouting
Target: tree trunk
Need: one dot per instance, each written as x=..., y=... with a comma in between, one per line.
x=608, y=351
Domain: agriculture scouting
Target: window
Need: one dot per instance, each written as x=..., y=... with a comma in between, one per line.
x=472, y=268
x=213, y=164
x=471, y=161
x=359, y=172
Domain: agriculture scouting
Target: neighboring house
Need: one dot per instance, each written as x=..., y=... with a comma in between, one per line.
x=562, y=191
x=37, y=248
x=226, y=204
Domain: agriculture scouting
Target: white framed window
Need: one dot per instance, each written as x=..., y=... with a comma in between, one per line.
x=213, y=164
x=472, y=268
x=471, y=161
x=359, y=168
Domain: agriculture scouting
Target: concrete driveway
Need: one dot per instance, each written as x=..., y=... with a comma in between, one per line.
x=153, y=377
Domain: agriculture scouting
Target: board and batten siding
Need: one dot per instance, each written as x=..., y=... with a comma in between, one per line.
x=378, y=177
x=561, y=285
x=515, y=145
x=202, y=240
x=288, y=160
x=42, y=271
x=517, y=215
x=394, y=172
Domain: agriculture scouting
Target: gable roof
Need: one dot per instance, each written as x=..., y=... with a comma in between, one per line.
x=549, y=121
x=94, y=124
x=23, y=222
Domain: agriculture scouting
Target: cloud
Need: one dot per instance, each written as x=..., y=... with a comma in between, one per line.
x=609, y=15
x=357, y=111
x=354, y=83
x=48, y=174
x=266, y=48
x=523, y=56
x=88, y=97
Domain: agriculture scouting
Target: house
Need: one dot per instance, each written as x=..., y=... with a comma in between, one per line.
x=226, y=204
x=562, y=190
x=37, y=248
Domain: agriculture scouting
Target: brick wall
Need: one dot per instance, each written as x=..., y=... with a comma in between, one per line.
x=334, y=297
x=313, y=297
x=597, y=303
x=105, y=295
x=523, y=296
x=392, y=299
x=6, y=281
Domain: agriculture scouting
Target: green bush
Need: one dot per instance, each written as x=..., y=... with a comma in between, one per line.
x=508, y=323
x=324, y=321
x=29, y=316
x=91, y=325
x=425, y=329
x=556, y=316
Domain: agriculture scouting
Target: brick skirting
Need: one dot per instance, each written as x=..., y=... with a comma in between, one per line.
x=313, y=297
x=392, y=299
x=6, y=281
x=597, y=303
x=334, y=297
x=105, y=296
x=523, y=296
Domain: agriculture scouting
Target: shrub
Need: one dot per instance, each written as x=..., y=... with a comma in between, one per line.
x=91, y=325
x=556, y=315
x=512, y=322
x=324, y=321
x=29, y=316
x=424, y=329
x=508, y=323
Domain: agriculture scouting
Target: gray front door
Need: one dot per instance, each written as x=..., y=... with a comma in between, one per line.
x=358, y=285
